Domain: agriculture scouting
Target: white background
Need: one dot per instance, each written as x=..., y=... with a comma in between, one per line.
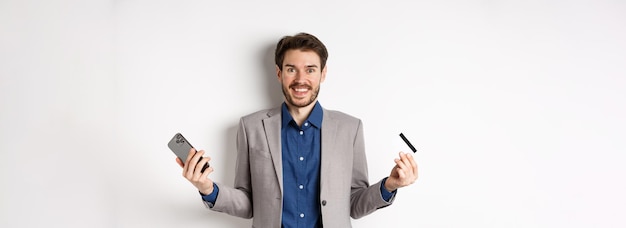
x=517, y=108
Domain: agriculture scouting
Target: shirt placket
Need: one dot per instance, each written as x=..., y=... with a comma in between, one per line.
x=301, y=176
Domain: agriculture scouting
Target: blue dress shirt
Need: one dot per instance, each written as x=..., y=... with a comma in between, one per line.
x=301, y=150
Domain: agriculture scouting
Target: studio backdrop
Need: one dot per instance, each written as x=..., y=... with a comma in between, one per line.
x=516, y=108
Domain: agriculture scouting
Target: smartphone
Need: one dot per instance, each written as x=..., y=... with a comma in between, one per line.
x=180, y=146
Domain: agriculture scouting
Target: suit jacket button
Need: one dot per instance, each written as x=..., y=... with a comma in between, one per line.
x=323, y=202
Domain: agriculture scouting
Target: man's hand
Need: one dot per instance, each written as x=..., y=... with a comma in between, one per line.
x=192, y=168
x=403, y=174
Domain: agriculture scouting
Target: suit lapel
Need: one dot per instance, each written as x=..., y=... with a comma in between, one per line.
x=329, y=130
x=272, y=127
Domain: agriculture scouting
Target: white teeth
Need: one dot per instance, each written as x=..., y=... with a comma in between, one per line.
x=301, y=90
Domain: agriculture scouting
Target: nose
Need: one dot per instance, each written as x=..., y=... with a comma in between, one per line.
x=299, y=76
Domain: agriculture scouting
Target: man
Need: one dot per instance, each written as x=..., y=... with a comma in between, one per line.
x=299, y=165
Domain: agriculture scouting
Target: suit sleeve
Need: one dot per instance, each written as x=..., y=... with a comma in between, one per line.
x=237, y=201
x=364, y=199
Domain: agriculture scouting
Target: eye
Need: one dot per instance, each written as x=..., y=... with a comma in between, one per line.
x=310, y=70
x=291, y=70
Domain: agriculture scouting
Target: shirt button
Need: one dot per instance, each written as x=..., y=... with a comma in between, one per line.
x=301, y=132
x=301, y=158
x=301, y=186
x=301, y=215
x=306, y=124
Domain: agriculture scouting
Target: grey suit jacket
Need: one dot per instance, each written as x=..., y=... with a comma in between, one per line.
x=344, y=187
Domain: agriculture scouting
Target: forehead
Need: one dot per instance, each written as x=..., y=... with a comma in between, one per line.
x=301, y=58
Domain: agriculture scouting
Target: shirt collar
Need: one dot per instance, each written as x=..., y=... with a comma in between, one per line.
x=315, y=118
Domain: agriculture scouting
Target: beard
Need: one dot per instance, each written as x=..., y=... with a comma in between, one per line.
x=302, y=103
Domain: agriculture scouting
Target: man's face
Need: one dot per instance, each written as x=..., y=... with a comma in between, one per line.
x=301, y=77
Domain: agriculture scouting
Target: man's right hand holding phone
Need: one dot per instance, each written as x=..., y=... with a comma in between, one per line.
x=192, y=171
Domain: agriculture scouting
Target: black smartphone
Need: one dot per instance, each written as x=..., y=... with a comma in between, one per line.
x=180, y=146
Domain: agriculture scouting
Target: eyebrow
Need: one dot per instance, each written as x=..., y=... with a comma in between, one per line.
x=307, y=66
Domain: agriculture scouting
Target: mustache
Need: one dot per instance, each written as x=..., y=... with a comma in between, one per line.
x=297, y=84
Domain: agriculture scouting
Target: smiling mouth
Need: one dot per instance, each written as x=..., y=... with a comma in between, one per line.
x=300, y=90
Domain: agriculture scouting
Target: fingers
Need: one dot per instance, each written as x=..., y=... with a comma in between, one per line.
x=406, y=168
x=413, y=164
x=192, y=170
x=198, y=169
x=403, y=162
x=194, y=164
x=401, y=174
x=204, y=175
x=200, y=179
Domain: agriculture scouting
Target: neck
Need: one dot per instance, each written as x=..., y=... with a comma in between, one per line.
x=300, y=114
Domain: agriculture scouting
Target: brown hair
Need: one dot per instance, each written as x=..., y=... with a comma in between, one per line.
x=301, y=41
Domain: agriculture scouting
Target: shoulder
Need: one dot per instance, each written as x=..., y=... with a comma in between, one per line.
x=343, y=126
x=341, y=117
x=261, y=114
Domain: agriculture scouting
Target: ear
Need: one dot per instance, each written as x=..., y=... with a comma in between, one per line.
x=278, y=71
x=323, y=74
